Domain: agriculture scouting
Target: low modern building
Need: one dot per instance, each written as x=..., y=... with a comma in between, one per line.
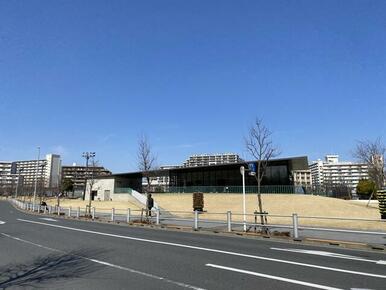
x=332, y=172
x=219, y=178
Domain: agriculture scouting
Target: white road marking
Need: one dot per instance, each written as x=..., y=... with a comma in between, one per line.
x=278, y=278
x=330, y=254
x=209, y=250
x=49, y=219
x=184, y=285
x=1, y=222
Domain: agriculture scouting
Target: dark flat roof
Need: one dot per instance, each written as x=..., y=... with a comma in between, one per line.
x=301, y=160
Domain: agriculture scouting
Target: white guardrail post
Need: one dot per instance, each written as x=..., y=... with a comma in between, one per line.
x=78, y=212
x=295, y=225
x=195, y=220
x=128, y=218
x=69, y=211
x=157, y=213
x=112, y=214
x=229, y=220
x=93, y=213
x=58, y=210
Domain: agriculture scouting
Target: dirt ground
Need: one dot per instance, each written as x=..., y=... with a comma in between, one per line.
x=279, y=204
x=216, y=206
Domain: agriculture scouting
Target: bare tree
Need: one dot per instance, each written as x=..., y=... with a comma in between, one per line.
x=146, y=159
x=373, y=154
x=91, y=180
x=259, y=144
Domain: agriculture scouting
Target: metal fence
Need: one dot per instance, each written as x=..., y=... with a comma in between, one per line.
x=216, y=221
x=238, y=189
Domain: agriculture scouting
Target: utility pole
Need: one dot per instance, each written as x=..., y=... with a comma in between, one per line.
x=36, y=175
x=87, y=156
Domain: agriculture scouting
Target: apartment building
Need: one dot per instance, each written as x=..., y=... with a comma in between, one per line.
x=332, y=172
x=302, y=177
x=8, y=179
x=6, y=167
x=45, y=171
x=78, y=174
x=211, y=159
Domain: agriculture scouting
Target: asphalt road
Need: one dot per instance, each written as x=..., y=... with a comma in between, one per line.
x=57, y=253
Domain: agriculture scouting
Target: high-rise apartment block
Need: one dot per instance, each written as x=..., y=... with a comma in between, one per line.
x=211, y=159
x=332, y=172
x=46, y=172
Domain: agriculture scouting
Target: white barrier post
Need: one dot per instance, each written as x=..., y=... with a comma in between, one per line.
x=229, y=220
x=69, y=211
x=128, y=215
x=112, y=214
x=295, y=224
x=93, y=213
x=195, y=220
x=157, y=216
x=78, y=212
x=58, y=210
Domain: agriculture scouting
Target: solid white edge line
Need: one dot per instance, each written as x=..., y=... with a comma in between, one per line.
x=278, y=278
x=210, y=250
x=184, y=285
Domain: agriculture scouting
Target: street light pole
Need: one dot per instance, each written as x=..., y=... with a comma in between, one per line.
x=36, y=175
x=242, y=171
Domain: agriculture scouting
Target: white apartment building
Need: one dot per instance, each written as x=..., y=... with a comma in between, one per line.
x=7, y=179
x=211, y=159
x=53, y=170
x=5, y=167
x=332, y=172
x=302, y=177
x=46, y=171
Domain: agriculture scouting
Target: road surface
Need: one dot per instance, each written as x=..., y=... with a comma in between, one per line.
x=55, y=253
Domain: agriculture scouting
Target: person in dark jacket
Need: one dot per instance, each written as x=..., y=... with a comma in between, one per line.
x=149, y=204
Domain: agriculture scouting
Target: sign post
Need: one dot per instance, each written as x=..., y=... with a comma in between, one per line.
x=242, y=171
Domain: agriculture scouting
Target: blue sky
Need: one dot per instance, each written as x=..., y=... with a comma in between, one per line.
x=192, y=75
